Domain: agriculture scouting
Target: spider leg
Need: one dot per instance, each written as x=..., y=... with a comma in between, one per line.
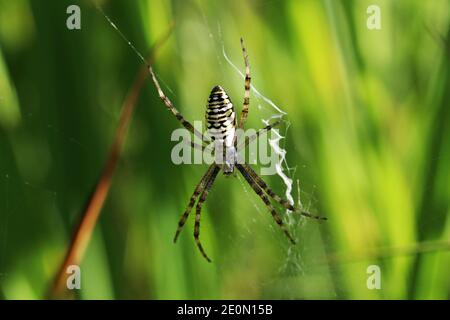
x=260, y=132
x=198, y=189
x=244, y=112
x=202, y=199
x=276, y=197
x=171, y=108
x=266, y=201
x=197, y=146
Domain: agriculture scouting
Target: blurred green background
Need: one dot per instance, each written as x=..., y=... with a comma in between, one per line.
x=368, y=134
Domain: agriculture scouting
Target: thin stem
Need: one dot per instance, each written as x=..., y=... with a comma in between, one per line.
x=83, y=232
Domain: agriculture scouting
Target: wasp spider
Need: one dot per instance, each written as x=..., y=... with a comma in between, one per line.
x=221, y=123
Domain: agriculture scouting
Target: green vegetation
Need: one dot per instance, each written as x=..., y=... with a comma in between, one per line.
x=369, y=137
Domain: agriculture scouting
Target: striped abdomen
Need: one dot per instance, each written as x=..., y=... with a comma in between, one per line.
x=220, y=117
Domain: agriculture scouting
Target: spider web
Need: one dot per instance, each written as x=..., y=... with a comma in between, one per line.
x=262, y=102
x=267, y=111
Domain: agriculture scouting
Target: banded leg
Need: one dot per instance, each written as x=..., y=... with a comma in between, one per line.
x=276, y=197
x=194, y=145
x=266, y=201
x=161, y=94
x=198, y=189
x=171, y=108
x=198, y=210
x=244, y=112
x=197, y=146
x=259, y=133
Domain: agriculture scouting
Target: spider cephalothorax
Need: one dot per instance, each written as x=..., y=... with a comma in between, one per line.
x=221, y=124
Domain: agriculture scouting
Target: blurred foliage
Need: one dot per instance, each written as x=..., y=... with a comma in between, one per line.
x=369, y=135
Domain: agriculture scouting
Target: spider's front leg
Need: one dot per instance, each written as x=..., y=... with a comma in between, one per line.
x=260, y=132
x=172, y=108
x=244, y=113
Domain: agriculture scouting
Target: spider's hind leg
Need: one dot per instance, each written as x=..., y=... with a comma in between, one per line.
x=276, y=197
x=202, y=199
x=266, y=201
x=198, y=189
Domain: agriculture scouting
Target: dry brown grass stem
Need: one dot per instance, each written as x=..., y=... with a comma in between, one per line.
x=89, y=217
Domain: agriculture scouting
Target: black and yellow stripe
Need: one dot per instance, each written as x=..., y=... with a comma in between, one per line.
x=244, y=113
x=220, y=116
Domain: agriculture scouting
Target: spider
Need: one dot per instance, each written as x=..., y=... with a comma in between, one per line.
x=221, y=124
